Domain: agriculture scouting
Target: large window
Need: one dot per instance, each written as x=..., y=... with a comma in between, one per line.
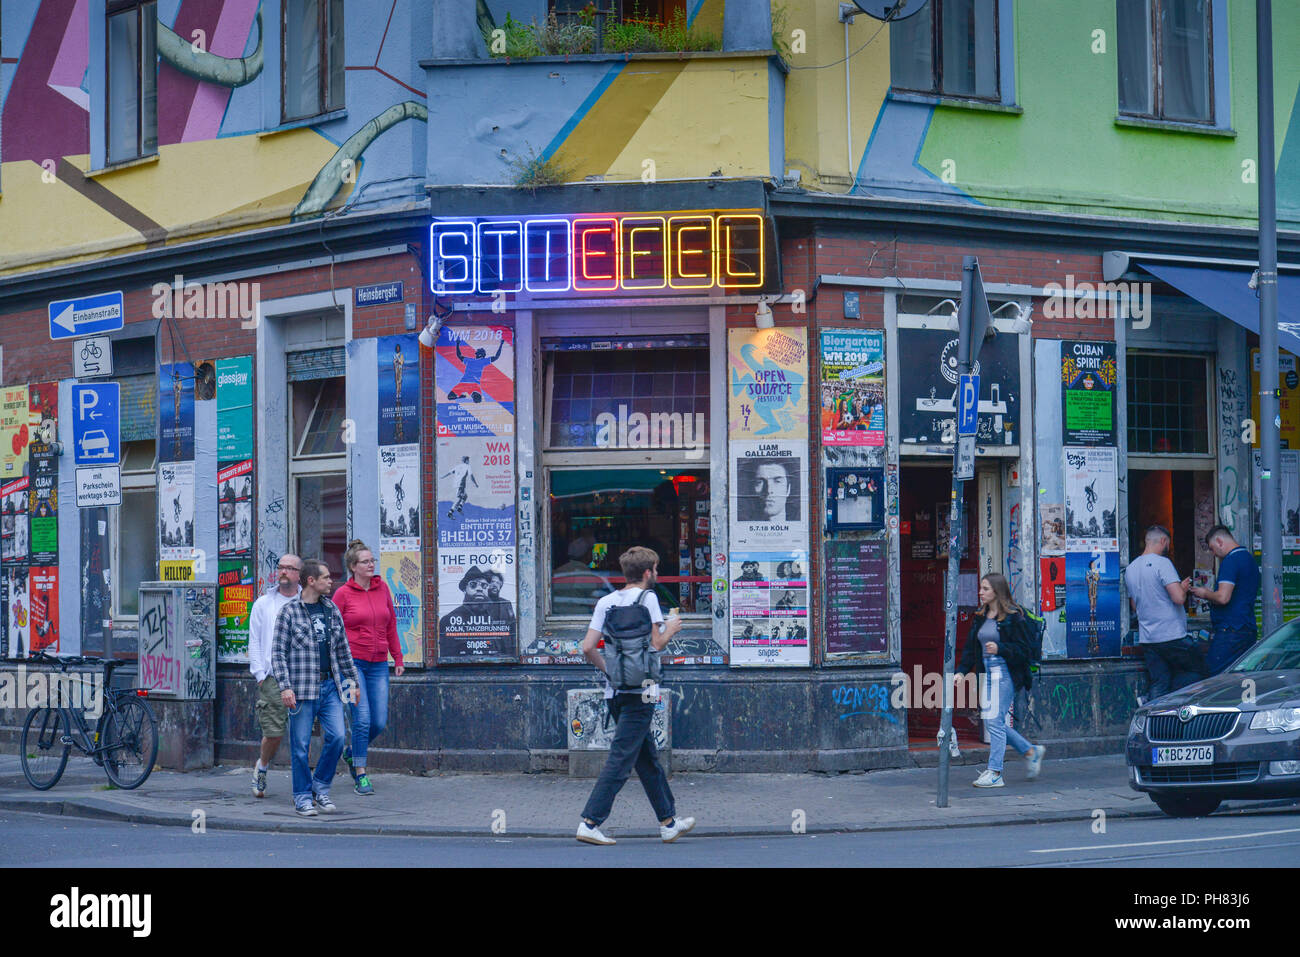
x=312, y=56
x=948, y=49
x=627, y=424
x=1166, y=59
x=317, y=455
x=132, y=81
x=1168, y=405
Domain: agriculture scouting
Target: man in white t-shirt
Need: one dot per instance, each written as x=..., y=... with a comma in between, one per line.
x=271, y=712
x=1157, y=595
x=633, y=744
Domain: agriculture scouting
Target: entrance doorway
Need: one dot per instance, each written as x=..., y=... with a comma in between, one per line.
x=926, y=493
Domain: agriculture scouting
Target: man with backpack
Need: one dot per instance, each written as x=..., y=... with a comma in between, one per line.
x=633, y=628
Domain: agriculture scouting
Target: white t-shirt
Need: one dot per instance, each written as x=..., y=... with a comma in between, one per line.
x=1159, y=619
x=618, y=599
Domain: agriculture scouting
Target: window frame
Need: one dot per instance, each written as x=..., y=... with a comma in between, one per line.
x=999, y=96
x=324, y=72
x=115, y=8
x=1164, y=460
x=1155, y=76
x=134, y=480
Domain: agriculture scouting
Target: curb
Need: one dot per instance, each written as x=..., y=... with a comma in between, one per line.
x=91, y=808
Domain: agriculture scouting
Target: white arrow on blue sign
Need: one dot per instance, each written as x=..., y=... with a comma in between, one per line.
x=70, y=318
x=96, y=429
x=968, y=402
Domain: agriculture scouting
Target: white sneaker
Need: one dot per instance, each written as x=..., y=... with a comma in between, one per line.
x=679, y=827
x=989, y=779
x=592, y=835
x=1035, y=760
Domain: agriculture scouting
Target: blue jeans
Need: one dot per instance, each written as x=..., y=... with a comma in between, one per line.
x=370, y=714
x=1227, y=645
x=1001, y=694
x=329, y=708
x=1172, y=665
x=633, y=745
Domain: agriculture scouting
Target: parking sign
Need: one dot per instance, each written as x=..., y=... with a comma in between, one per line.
x=95, y=427
x=968, y=401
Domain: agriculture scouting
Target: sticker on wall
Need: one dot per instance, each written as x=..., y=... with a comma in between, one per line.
x=400, y=571
x=1088, y=406
x=176, y=412
x=770, y=623
x=44, y=584
x=399, y=498
x=1090, y=500
x=476, y=588
x=476, y=492
x=13, y=521
x=853, y=387
x=399, y=389
x=234, y=604
x=768, y=385
x=474, y=375
x=176, y=513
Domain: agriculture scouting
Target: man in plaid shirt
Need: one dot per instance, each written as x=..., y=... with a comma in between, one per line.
x=314, y=668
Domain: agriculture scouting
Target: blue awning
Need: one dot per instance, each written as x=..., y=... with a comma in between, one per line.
x=1227, y=292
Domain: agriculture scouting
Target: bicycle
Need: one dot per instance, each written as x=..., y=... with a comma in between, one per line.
x=124, y=741
x=91, y=351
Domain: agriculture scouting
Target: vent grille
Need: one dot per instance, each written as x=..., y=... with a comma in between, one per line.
x=1203, y=727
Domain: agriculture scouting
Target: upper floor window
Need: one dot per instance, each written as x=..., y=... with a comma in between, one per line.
x=1168, y=404
x=312, y=53
x=132, y=80
x=948, y=49
x=1166, y=59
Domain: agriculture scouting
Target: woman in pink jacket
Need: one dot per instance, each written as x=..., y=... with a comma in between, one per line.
x=371, y=622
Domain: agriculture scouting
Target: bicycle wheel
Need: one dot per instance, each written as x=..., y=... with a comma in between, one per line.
x=43, y=750
x=130, y=743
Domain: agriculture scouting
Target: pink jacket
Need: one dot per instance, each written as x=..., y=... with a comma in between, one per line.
x=370, y=620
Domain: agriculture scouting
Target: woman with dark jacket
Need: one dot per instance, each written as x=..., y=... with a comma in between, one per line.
x=999, y=645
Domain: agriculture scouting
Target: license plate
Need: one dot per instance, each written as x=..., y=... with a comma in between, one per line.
x=1188, y=754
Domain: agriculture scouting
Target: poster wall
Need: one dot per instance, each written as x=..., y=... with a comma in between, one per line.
x=1093, y=618
x=767, y=418
x=853, y=387
x=1088, y=405
x=235, y=585
x=476, y=484
x=400, y=566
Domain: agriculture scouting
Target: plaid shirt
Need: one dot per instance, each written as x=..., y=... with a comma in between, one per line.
x=295, y=661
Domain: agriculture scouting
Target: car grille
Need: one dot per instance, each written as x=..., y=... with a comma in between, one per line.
x=1202, y=727
x=1240, y=773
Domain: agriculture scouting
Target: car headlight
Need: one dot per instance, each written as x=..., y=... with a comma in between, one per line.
x=1276, y=720
x=1138, y=724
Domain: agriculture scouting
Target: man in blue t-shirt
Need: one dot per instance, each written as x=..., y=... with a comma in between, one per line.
x=1232, y=603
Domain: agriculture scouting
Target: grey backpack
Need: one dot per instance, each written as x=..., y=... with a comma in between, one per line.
x=630, y=661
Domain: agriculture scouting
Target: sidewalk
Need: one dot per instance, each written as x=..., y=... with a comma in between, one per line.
x=547, y=805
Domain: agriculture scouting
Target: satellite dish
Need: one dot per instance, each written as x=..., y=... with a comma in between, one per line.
x=882, y=9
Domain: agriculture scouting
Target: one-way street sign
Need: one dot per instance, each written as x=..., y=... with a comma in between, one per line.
x=95, y=425
x=70, y=318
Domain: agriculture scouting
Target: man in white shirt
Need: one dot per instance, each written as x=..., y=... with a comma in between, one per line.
x=633, y=744
x=271, y=712
x=1157, y=595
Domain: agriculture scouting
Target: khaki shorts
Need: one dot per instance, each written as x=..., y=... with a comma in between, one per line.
x=272, y=715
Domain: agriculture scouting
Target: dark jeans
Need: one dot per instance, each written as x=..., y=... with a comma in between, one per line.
x=633, y=746
x=1172, y=665
x=1228, y=644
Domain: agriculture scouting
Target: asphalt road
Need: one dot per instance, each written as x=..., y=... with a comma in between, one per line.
x=1264, y=838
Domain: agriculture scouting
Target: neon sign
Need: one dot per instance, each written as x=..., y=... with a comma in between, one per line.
x=612, y=253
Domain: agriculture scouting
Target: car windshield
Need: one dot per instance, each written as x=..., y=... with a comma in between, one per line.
x=1278, y=652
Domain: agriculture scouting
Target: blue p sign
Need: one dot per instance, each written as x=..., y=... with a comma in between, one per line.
x=968, y=400
x=95, y=424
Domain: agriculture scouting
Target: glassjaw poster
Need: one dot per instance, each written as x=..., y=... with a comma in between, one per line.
x=476, y=483
x=853, y=387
